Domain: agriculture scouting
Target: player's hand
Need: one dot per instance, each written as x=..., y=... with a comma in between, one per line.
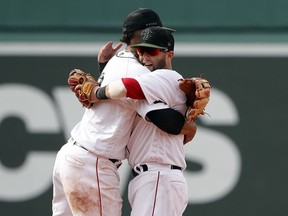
x=189, y=131
x=107, y=51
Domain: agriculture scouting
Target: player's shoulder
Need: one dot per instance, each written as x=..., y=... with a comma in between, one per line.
x=167, y=73
x=125, y=62
x=122, y=56
x=125, y=55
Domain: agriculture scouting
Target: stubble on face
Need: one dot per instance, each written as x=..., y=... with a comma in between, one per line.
x=153, y=62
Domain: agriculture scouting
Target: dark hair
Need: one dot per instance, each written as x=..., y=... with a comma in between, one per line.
x=126, y=38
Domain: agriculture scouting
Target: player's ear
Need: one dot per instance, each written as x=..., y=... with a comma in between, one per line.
x=170, y=54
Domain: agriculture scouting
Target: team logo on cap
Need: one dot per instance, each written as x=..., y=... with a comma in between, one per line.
x=146, y=34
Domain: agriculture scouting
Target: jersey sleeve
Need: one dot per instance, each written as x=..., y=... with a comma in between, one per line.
x=142, y=107
x=162, y=86
x=133, y=88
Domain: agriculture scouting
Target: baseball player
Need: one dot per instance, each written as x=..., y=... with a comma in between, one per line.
x=157, y=159
x=85, y=177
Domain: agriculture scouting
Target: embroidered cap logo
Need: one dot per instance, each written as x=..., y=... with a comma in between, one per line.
x=147, y=33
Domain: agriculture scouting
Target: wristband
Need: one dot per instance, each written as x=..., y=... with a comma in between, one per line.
x=100, y=93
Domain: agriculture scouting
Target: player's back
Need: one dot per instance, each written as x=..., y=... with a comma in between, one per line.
x=106, y=127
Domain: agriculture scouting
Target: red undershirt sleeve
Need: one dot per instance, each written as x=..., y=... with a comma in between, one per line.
x=133, y=88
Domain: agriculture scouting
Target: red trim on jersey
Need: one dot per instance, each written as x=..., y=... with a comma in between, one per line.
x=133, y=88
x=99, y=190
x=156, y=192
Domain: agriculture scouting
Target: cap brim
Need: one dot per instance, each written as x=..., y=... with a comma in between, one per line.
x=169, y=29
x=148, y=45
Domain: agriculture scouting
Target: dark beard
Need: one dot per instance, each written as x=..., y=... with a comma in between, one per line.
x=160, y=65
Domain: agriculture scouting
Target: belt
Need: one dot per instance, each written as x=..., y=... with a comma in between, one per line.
x=144, y=167
x=79, y=145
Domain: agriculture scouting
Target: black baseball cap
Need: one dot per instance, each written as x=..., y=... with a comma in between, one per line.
x=140, y=19
x=156, y=37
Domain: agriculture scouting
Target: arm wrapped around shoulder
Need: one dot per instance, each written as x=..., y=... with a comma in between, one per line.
x=83, y=85
x=197, y=91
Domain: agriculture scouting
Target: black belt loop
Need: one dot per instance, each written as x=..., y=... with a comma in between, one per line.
x=145, y=168
x=116, y=162
x=176, y=167
x=79, y=145
x=113, y=160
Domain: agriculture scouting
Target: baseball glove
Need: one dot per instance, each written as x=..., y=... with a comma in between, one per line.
x=197, y=91
x=82, y=84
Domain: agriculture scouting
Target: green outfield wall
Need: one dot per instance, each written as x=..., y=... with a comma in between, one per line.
x=109, y=14
x=210, y=20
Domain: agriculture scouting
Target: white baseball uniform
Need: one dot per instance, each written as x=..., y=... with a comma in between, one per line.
x=85, y=181
x=157, y=158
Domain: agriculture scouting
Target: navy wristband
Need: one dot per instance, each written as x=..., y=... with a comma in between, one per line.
x=100, y=93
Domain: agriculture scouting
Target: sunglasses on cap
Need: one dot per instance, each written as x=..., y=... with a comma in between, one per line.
x=150, y=51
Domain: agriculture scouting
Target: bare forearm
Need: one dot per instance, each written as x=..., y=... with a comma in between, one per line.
x=189, y=131
x=188, y=127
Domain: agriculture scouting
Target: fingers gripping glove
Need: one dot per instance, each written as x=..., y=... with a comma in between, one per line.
x=197, y=91
x=77, y=77
x=82, y=85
